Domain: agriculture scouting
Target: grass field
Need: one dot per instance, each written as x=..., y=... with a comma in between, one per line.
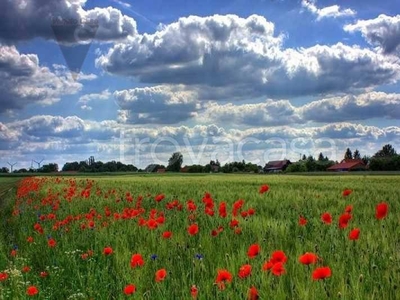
x=57, y=232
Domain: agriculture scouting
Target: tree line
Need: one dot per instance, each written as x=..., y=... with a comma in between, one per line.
x=386, y=159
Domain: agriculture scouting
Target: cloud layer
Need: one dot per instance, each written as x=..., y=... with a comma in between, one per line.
x=27, y=19
x=228, y=57
x=23, y=81
x=383, y=31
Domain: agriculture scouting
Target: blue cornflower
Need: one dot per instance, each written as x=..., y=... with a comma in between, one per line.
x=199, y=256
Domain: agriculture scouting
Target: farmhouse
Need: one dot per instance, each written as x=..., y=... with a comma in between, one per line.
x=276, y=166
x=348, y=165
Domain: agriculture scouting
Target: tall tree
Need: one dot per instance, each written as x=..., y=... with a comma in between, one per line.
x=348, y=154
x=366, y=159
x=175, y=162
x=386, y=151
x=356, y=154
x=321, y=157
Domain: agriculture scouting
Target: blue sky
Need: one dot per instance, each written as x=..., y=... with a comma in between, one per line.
x=255, y=80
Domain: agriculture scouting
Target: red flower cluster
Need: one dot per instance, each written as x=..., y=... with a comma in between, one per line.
x=276, y=263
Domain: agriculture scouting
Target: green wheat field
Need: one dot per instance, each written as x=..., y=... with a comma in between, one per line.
x=74, y=238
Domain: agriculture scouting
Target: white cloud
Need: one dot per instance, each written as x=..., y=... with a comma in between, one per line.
x=73, y=138
x=67, y=18
x=228, y=57
x=383, y=31
x=104, y=95
x=156, y=105
x=333, y=11
x=23, y=81
x=334, y=109
x=122, y=3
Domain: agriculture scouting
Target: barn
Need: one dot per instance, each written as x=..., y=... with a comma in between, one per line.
x=347, y=165
x=276, y=166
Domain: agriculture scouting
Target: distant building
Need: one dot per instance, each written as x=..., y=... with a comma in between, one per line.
x=276, y=166
x=348, y=165
x=215, y=168
x=161, y=170
x=185, y=169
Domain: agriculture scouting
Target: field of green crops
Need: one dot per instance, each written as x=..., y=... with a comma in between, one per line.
x=190, y=237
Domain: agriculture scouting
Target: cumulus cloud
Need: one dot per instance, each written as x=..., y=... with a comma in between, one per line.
x=72, y=138
x=104, y=95
x=8, y=137
x=269, y=113
x=383, y=31
x=333, y=11
x=157, y=105
x=67, y=19
x=228, y=57
x=334, y=109
x=351, y=107
x=23, y=81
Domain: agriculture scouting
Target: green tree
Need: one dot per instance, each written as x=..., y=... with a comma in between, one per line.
x=386, y=151
x=175, y=162
x=366, y=159
x=356, y=154
x=348, y=154
x=321, y=157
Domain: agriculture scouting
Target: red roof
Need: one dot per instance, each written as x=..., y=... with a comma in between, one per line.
x=348, y=164
x=276, y=164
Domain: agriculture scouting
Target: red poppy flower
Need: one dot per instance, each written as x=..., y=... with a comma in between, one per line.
x=214, y=232
x=278, y=269
x=233, y=223
x=222, y=210
x=44, y=274
x=326, y=218
x=107, y=251
x=14, y=253
x=354, y=234
x=263, y=189
x=302, y=221
x=223, y=276
x=26, y=269
x=194, y=291
x=137, y=260
x=308, y=258
x=251, y=211
x=167, y=234
x=159, y=197
x=348, y=209
x=193, y=229
x=129, y=289
x=267, y=265
x=152, y=224
x=32, y=290
x=30, y=239
x=381, y=210
x=278, y=256
x=253, y=294
x=244, y=271
x=51, y=243
x=344, y=220
x=253, y=251
x=3, y=276
x=191, y=206
x=321, y=273
x=346, y=192
x=238, y=230
x=160, y=275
